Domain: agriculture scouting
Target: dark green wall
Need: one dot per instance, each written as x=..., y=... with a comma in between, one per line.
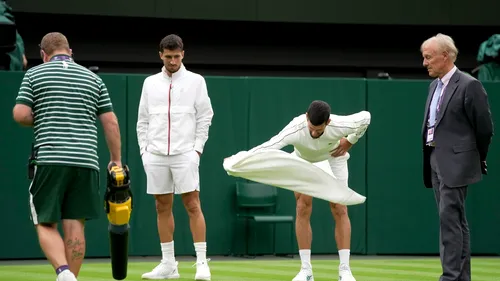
x=399, y=216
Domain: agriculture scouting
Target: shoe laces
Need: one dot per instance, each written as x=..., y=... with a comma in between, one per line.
x=305, y=271
x=344, y=267
x=166, y=264
x=201, y=262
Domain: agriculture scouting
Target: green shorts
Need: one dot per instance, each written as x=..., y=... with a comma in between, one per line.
x=64, y=192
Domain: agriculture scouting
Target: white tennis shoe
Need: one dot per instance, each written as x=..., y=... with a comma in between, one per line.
x=202, y=271
x=345, y=273
x=66, y=275
x=305, y=274
x=163, y=271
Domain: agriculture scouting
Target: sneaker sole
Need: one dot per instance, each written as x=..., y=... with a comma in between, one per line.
x=162, y=278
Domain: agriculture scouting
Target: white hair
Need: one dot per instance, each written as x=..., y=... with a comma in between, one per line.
x=445, y=44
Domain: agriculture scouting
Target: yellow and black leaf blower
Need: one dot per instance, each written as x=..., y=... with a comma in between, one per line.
x=118, y=206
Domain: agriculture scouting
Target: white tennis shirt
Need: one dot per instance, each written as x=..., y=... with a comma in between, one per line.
x=297, y=134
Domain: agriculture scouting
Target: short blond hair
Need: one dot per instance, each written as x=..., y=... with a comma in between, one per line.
x=54, y=41
x=445, y=44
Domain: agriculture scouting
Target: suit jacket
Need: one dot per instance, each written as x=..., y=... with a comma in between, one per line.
x=462, y=132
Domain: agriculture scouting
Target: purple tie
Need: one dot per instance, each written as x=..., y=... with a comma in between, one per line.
x=440, y=96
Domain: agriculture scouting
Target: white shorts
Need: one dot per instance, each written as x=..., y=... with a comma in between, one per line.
x=172, y=174
x=335, y=166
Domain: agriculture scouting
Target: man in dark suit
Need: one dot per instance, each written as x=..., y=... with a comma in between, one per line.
x=456, y=131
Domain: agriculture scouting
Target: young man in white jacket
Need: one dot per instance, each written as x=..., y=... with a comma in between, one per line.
x=174, y=117
x=323, y=139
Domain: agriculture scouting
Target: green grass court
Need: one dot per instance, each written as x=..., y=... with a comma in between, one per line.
x=364, y=268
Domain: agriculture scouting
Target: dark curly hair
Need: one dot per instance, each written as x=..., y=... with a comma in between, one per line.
x=171, y=42
x=318, y=112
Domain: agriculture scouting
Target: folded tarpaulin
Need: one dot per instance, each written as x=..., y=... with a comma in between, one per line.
x=284, y=170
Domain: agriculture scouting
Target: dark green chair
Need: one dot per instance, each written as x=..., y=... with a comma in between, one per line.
x=256, y=204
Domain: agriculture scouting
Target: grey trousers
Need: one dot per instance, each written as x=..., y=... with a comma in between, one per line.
x=454, y=236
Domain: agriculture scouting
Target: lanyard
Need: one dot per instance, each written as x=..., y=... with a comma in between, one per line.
x=60, y=58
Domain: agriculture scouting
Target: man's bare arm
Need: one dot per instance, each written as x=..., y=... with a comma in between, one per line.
x=23, y=115
x=112, y=134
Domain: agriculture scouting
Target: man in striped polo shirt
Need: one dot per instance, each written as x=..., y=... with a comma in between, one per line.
x=61, y=100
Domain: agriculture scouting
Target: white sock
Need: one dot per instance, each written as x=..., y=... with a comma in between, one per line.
x=344, y=256
x=167, y=251
x=305, y=258
x=201, y=251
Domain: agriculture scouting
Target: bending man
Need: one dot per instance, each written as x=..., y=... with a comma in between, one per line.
x=319, y=137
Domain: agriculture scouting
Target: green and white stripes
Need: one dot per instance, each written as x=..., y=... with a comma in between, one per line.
x=66, y=99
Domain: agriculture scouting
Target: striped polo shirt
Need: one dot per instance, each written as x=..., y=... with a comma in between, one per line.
x=66, y=99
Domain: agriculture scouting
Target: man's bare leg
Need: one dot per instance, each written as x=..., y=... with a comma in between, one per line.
x=166, y=225
x=198, y=227
x=167, y=269
x=52, y=244
x=74, y=239
x=342, y=230
x=197, y=223
x=340, y=170
x=343, y=239
x=304, y=235
x=303, y=227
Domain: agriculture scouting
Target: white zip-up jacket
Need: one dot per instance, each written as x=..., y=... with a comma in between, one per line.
x=297, y=134
x=174, y=114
